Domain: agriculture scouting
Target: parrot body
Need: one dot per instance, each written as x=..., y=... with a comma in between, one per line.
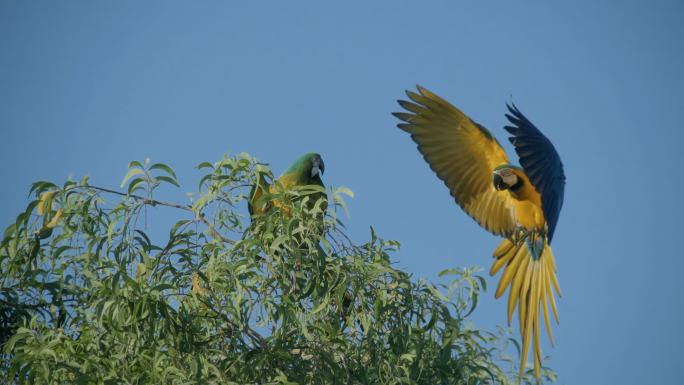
x=521, y=204
x=527, y=203
x=306, y=170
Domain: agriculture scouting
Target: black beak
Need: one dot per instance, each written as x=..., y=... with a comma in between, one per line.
x=499, y=182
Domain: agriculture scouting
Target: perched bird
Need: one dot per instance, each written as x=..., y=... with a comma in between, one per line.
x=254, y=204
x=305, y=171
x=521, y=204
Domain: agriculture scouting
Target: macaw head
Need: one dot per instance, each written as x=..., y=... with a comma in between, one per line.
x=507, y=177
x=317, y=166
x=309, y=168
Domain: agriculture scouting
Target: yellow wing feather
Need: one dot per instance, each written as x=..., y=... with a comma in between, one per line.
x=463, y=154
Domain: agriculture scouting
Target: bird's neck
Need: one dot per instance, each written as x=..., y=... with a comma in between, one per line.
x=523, y=190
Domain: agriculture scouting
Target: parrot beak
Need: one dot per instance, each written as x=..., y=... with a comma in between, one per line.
x=315, y=170
x=499, y=183
x=318, y=167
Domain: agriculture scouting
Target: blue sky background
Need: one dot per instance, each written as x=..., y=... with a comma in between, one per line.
x=85, y=87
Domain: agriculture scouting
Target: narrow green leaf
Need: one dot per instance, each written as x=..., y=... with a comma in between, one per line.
x=453, y=271
x=162, y=166
x=131, y=173
x=40, y=186
x=135, y=185
x=162, y=287
x=168, y=180
x=345, y=190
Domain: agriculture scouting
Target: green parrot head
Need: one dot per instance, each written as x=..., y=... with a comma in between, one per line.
x=309, y=168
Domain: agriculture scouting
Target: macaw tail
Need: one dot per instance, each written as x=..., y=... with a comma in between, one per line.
x=530, y=273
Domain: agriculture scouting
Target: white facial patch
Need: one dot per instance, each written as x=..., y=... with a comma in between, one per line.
x=508, y=176
x=504, y=172
x=510, y=179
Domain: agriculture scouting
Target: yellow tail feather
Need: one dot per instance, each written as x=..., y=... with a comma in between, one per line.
x=531, y=282
x=545, y=307
x=509, y=273
x=503, y=253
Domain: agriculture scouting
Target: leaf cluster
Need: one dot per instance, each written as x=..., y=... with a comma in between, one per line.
x=89, y=296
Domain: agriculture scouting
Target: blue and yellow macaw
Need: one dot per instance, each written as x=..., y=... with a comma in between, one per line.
x=521, y=204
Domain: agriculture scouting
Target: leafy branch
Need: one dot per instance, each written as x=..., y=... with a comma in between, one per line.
x=153, y=202
x=88, y=295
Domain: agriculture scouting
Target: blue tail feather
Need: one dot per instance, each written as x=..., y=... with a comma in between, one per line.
x=535, y=243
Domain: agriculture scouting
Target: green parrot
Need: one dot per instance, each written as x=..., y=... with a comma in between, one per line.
x=306, y=170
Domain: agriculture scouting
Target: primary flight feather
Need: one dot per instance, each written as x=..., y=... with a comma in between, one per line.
x=521, y=204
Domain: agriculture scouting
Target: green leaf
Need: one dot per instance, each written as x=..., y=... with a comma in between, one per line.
x=131, y=173
x=483, y=282
x=473, y=304
x=342, y=204
x=345, y=190
x=135, y=185
x=44, y=232
x=111, y=228
x=167, y=169
x=162, y=287
x=168, y=180
x=453, y=271
x=41, y=186
x=278, y=242
x=178, y=224
x=320, y=307
x=20, y=334
x=438, y=293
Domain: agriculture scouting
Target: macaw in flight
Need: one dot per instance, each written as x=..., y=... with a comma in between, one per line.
x=521, y=204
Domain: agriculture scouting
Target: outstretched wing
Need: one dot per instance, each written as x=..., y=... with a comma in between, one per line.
x=541, y=163
x=463, y=154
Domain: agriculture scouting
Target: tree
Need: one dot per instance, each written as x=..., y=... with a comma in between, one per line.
x=87, y=296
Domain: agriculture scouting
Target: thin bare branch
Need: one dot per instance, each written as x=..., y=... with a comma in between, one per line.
x=153, y=202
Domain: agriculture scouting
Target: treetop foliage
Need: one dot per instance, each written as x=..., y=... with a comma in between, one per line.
x=88, y=296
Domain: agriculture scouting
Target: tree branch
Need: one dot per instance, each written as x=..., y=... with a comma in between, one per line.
x=253, y=335
x=153, y=202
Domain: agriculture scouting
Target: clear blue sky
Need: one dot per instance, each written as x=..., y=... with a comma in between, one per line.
x=87, y=86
